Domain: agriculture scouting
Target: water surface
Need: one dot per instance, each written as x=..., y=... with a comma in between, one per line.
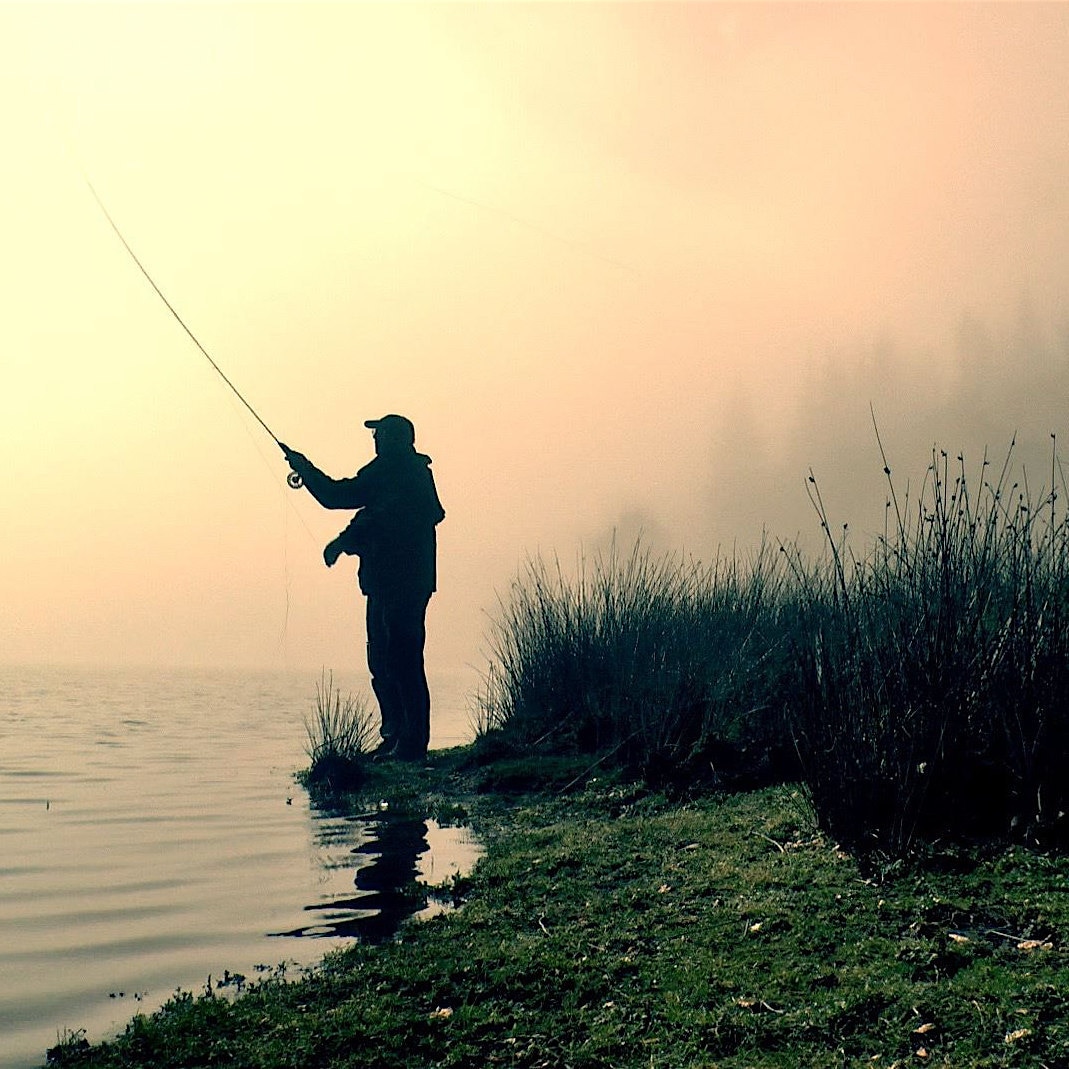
x=152, y=835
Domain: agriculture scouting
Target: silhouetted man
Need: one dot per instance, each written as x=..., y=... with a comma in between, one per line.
x=393, y=534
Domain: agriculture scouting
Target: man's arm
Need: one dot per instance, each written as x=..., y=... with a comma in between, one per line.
x=330, y=493
x=349, y=541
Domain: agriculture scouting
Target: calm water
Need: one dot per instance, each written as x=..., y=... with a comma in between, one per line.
x=151, y=836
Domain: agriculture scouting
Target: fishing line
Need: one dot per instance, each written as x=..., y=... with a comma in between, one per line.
x=285, y=569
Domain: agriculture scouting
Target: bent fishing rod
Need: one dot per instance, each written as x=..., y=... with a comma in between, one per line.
x=293, y=479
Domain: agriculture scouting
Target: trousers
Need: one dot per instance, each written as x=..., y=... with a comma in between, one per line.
x=396, y=636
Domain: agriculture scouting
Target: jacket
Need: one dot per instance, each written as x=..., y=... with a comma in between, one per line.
x=393, y=533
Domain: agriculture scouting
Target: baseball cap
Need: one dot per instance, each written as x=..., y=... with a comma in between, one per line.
x=393, y=426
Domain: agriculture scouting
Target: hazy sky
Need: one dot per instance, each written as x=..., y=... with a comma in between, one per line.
x=624, y=265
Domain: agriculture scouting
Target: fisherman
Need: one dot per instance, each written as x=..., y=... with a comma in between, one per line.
x=393, y=534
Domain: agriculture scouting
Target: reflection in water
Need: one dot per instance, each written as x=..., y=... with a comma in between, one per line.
x=392, y=853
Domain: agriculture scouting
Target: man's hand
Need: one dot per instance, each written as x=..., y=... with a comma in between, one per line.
x=297, y=461
x=332, y=551
x=300, y=466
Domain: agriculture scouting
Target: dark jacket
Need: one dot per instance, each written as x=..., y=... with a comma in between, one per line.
x=394, y=531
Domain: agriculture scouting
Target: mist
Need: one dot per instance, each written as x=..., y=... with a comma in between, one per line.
x=632, y=270
x=990, y=391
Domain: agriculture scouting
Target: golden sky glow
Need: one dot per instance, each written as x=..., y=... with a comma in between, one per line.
x=624, y=265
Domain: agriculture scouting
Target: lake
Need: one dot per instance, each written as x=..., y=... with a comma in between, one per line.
x=152, y=837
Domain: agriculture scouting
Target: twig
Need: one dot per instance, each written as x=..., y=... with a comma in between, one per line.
x=1005, y=935
x=769, y=839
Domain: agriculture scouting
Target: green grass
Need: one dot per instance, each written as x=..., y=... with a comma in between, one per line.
x=611, y=928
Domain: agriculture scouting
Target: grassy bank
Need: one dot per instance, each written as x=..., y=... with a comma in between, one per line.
x=609, y=927
x=879, y=897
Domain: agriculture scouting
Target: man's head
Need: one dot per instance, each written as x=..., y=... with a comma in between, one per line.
x=392, y=432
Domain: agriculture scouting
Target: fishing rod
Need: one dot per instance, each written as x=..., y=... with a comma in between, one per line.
x=293, y=479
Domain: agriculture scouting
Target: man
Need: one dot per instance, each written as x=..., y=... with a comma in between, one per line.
x=393, y=534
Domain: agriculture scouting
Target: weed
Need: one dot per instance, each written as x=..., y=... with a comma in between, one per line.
x=339, y=737
x=921, y=690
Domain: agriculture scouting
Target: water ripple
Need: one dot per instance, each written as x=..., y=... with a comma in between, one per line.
x=147, y=842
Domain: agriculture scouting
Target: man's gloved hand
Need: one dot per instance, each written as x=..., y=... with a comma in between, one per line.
x=332, y=551
x=297, y=461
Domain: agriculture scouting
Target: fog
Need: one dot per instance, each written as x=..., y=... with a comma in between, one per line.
x=629, y=268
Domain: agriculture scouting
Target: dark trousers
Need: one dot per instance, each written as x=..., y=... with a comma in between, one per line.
x=396, y=633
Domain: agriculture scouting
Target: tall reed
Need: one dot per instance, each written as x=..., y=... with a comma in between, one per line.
x=668, y=667
x=934, y=672
x=923, y=687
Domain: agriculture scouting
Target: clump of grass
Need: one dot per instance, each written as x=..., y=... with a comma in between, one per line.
x=662, y=666
x=934, y=672
x=340, y=733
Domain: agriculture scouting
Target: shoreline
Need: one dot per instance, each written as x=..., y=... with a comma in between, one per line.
x=610, y=926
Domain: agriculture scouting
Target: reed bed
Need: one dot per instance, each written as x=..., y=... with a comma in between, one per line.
x=934, y=672
x=919, y=691
x=666, y=667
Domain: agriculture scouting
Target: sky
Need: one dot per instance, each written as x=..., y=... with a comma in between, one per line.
x=631, y=269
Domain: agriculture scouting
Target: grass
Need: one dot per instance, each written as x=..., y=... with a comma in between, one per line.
x=340, y=733
x=919, y=689
x=665, y=667
x=609, y=927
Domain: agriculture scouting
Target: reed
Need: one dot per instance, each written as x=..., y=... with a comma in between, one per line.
x=920, y=691
x=662, y=666
x=340, y=733
x=933, y=673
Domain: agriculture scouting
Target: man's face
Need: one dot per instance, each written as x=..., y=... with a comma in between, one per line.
x=385, y=442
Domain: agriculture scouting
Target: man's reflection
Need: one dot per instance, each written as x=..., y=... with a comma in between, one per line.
x=384, y=884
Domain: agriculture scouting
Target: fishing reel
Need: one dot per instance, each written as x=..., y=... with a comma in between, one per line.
x=294, y=481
